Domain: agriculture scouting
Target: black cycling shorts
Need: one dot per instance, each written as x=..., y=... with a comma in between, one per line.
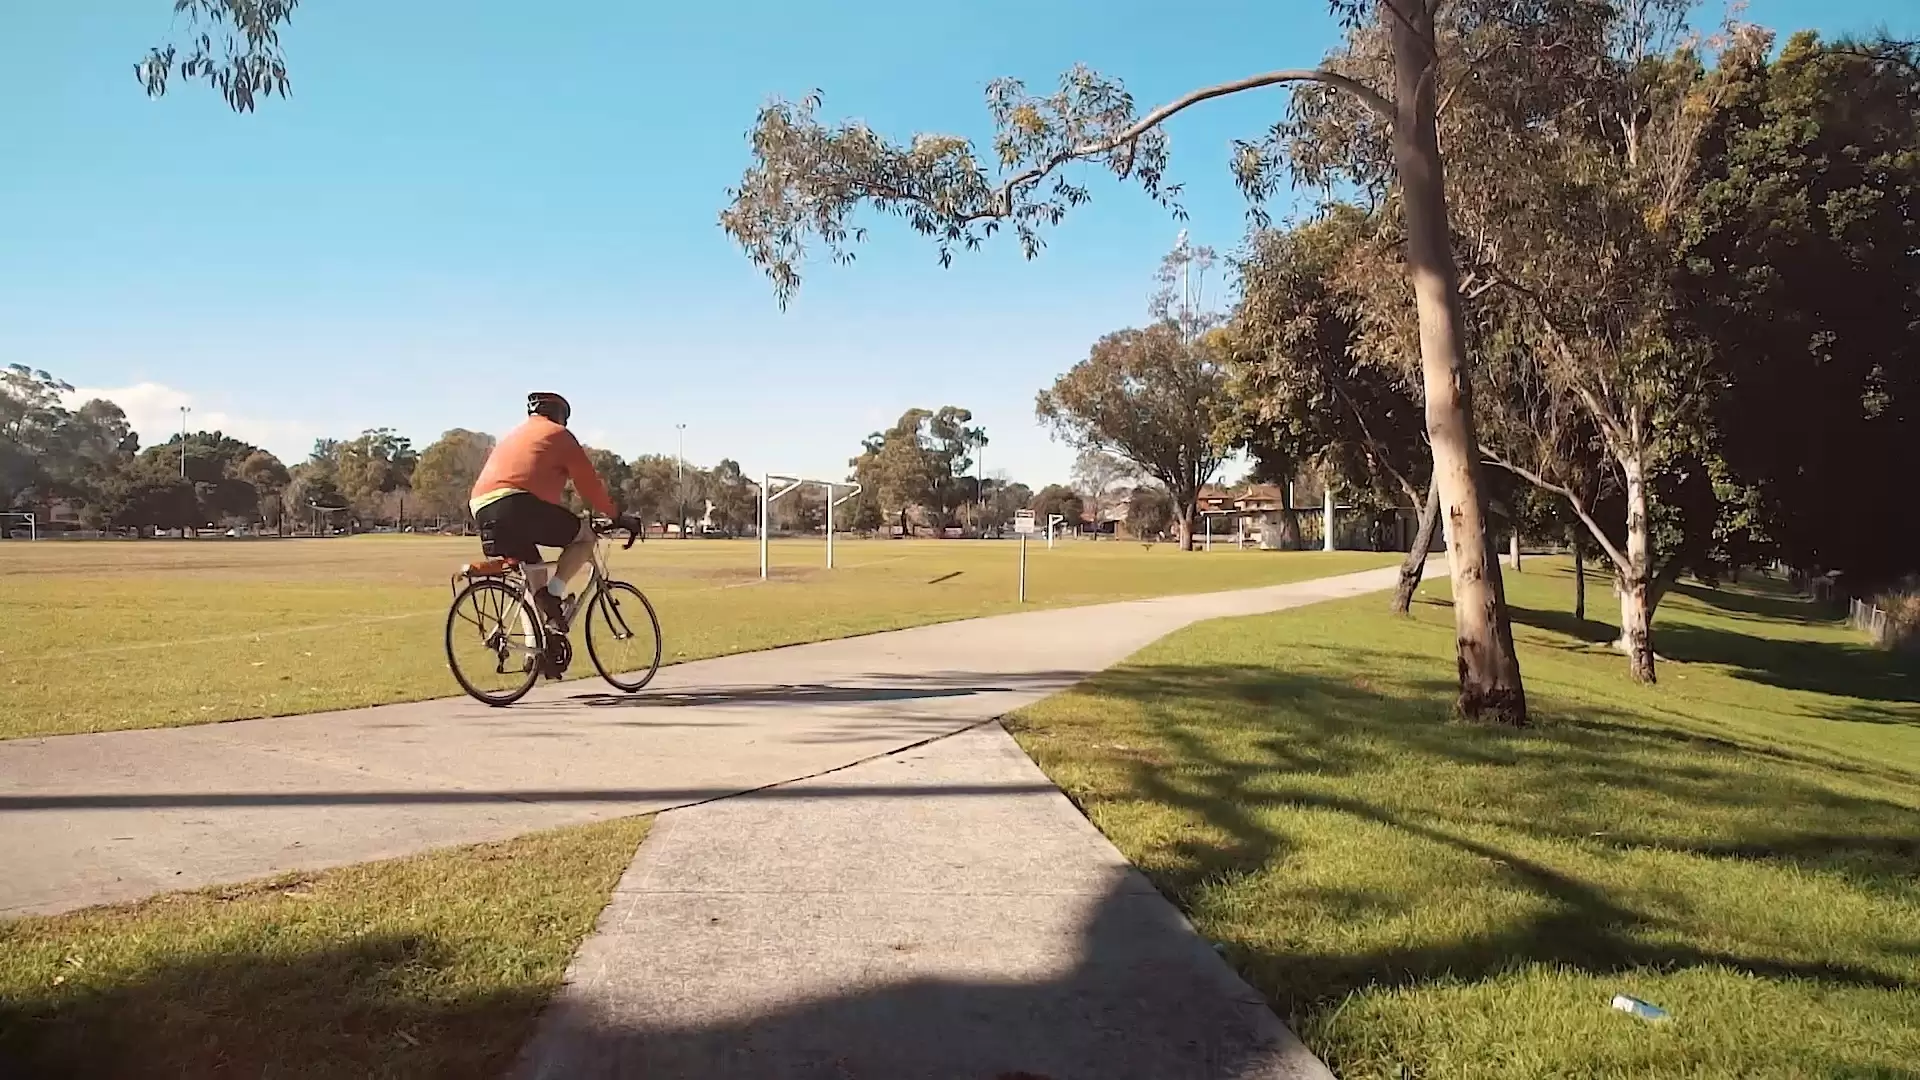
x=518, y=526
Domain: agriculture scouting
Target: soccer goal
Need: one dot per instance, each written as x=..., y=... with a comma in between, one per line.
x=33, y=523
x=774, y=487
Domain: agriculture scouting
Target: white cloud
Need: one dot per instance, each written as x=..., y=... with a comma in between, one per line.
x=153, y=409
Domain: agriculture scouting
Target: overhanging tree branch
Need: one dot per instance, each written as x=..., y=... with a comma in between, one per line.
x=1573, y=500
x=1373, y=99
x=809, y=179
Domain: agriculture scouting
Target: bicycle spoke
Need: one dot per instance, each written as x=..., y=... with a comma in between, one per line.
x=623, y=636
x=490, y=643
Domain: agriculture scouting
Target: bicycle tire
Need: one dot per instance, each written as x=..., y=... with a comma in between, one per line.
x=512, y=600
x=609, y=606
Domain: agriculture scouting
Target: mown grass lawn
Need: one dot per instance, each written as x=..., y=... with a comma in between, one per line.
x=1426, y=898
x=103, y=636
x=432, y=966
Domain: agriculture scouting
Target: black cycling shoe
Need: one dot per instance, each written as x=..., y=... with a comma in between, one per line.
x=549, y=607
x=558, y=657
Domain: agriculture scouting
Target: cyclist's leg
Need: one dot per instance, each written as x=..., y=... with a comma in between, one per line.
x=553, y=526
x=517, y=527
x=504, y=535
x=575, y=555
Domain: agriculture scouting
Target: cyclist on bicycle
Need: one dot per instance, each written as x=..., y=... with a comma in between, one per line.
x=517, y=500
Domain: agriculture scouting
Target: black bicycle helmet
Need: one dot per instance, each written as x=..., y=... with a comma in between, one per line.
x=552, y=406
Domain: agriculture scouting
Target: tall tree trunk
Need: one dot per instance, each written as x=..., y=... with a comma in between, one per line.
x=1513, y=547
x=1636, y=584
x=1490, y=686
x=1183, y=524
x=1579, y=576
x=1416, y=563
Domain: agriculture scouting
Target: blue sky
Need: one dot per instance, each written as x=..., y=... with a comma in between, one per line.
x=461, y=202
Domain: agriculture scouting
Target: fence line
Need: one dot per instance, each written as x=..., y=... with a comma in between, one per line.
x=1863, y=615
x=1871, y=619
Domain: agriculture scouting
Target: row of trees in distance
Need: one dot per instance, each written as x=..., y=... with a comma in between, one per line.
x=86, y=462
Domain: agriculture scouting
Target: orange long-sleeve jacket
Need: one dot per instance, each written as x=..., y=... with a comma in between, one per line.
x=539, y=457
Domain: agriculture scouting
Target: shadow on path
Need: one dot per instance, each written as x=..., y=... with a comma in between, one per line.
x=1145, y=999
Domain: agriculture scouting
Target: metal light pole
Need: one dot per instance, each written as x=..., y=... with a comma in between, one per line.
x=980, y=484
x=184, y=410
x=680, y=477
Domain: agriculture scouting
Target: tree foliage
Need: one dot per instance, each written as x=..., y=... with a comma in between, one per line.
x=232, y=46
x=735, y=498
x=1005, y=499
x=1802, y=273
x=919, y=466
x=1105, y=480
x=49, y=451
x=1310, y=388
x=448, y=468
x=1154, y=396
x=1149, y=512
x=1062, y=500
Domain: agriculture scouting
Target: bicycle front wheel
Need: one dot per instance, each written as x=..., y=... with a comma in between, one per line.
x=494, y=642
x=623, y=636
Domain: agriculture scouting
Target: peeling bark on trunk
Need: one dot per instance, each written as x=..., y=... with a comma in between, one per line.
x=1636, y=640
x=1636, y=584
x=1490, y=685
x=1415, y=566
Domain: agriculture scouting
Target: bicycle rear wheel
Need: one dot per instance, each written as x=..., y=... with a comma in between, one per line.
x=623, y=636
x=494, y=642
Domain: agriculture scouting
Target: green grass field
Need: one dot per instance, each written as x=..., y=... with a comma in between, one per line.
x=433, y=966
x=1425, y=898
x=108, y=635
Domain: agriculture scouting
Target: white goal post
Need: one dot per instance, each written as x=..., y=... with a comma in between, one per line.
x=774, y=486
x=33, y=523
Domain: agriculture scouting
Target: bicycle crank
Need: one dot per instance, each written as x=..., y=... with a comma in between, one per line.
x=559, y=655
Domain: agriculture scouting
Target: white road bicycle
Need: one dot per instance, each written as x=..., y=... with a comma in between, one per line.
x=498, y=646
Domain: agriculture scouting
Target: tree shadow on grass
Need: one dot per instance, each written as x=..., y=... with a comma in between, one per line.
x=1561, y=622
x=1756, y=602
x=338, y=1011
x=1230, y=767
x=1837, y=669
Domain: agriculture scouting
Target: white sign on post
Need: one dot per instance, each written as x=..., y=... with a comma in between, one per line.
x=1023, y=524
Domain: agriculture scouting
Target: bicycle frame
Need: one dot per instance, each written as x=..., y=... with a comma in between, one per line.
x=531, y=643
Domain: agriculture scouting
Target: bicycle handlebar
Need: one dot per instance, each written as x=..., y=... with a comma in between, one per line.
x=634, y=531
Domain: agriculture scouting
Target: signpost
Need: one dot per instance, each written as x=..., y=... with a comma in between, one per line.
x=1054, y=521
x=1025, y=526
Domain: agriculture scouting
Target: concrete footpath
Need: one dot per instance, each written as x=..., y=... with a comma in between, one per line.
x=940, y=912
x=88, y=819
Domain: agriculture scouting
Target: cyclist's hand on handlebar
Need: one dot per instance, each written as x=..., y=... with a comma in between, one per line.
x=631, y=525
